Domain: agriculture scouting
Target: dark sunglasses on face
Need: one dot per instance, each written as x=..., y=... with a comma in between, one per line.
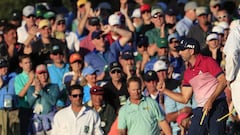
x=157, y=16
x=115, y=71
x=58, y=53
x=81, y=5
x=78, y=61
x=146, y=11
x=174, y=41
x=61, y=22
x=76, y=95
x=99, y=37
x=31, y=16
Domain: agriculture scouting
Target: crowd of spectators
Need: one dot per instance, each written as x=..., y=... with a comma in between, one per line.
x=145, y=68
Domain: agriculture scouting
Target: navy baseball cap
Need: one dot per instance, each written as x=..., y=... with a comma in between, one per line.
x=188, y=43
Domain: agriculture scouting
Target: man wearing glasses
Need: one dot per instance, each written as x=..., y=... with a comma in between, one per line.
x=76, y=119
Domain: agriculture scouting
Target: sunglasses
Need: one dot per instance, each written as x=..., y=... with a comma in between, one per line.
x=61, y=23
x=81, y=5
x=56, y=53
x=144, y=45
x=174, y=41
x=78, y=61
x=31, y=16
x=157, y=16
x=221, y=17
x=99, y=37
x=77, y=95
x=42, y=72
x=115, y=71
x=145, y=11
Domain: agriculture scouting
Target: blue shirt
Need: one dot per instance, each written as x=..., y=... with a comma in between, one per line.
x=86, y=94
x=7, y=90
x=183, y=26
x=98, y=60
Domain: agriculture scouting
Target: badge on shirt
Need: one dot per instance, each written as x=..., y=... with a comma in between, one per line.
x=103, y=124
x=86, y=129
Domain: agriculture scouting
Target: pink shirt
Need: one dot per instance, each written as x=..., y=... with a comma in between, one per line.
x=86, y=44
x=202, y=77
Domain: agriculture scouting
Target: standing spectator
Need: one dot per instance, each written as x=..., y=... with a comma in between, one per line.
x=28, y=30
x=208, y=92
x=76, y=119
x=9, y=121
x=213, y=48
x=185, y=23
x=171, y=20
x=104, y=109
x=146, y=16
x=116, y=89
x=61, y=33
x=75, y=75
x=231, y=50
x=200, y=30
x=22, y=83
x=223, y=16
x=130, y=119
x=42, y=98
x=215, y=6
x=56, y=71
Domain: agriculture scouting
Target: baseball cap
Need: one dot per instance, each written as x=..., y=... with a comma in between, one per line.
x=145, y=7
x=136, y=13
x=160, y=65
x=188, y=43
x=142, y=40
x=16, y=15
x=88, y=71
x=3, y=62
x=28, y=10
x=150, y=75
x=218, y=29
x=59, y=17
x=173, y=35
x=56, y=49
x=94, y=21
x=41, y=69
x=190, y=5
x=215, y=2
x=44, y=23
x=182, y=116
x=114, y=19
x=96, y=34
x=170, y=12
x=49, y=14
x=81, y=2
x=201, y=11
x=115, y=66
x=212, y=36
x=75, y=57
x=96, y=90
x=224, y=25
x=128, y=54
x=156, y=10
x=104, y=5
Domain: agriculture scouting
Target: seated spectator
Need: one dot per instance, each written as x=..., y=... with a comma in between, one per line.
x=105, y=110
x=42, y=97
x=9, y=121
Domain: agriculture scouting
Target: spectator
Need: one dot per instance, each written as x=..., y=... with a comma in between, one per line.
x=102, y=56
x=130, y=121
x=89, y=75
x=171, y=20
x=211, y=101
x=185, y=23
x=223, y=16
x=215, y=6
x=104, y=109
x=42, y=47
x=75, y=75
x=146, y=16
x=42, y=98
x=62, y=34
x=9, y=121
x=28, y=31
x=137, y=19
x=22, y=83
x=213, y=48
x=231, y=49
x=116, y=89
x=200, y=30
x=16, y=18
x=85, y=120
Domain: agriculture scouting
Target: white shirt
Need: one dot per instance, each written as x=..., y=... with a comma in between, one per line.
x=87, y=122
x=22, y=33
x=72, y=41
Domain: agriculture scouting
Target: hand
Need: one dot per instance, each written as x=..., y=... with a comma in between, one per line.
x=33, y=31
x=31, y=76
x=208, y=106
x=161, y=86
x=38, y=85
x=124, y=11
x=145, y=57
x=1, y=81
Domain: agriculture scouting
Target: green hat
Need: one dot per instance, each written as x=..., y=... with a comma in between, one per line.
x=49, y=14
